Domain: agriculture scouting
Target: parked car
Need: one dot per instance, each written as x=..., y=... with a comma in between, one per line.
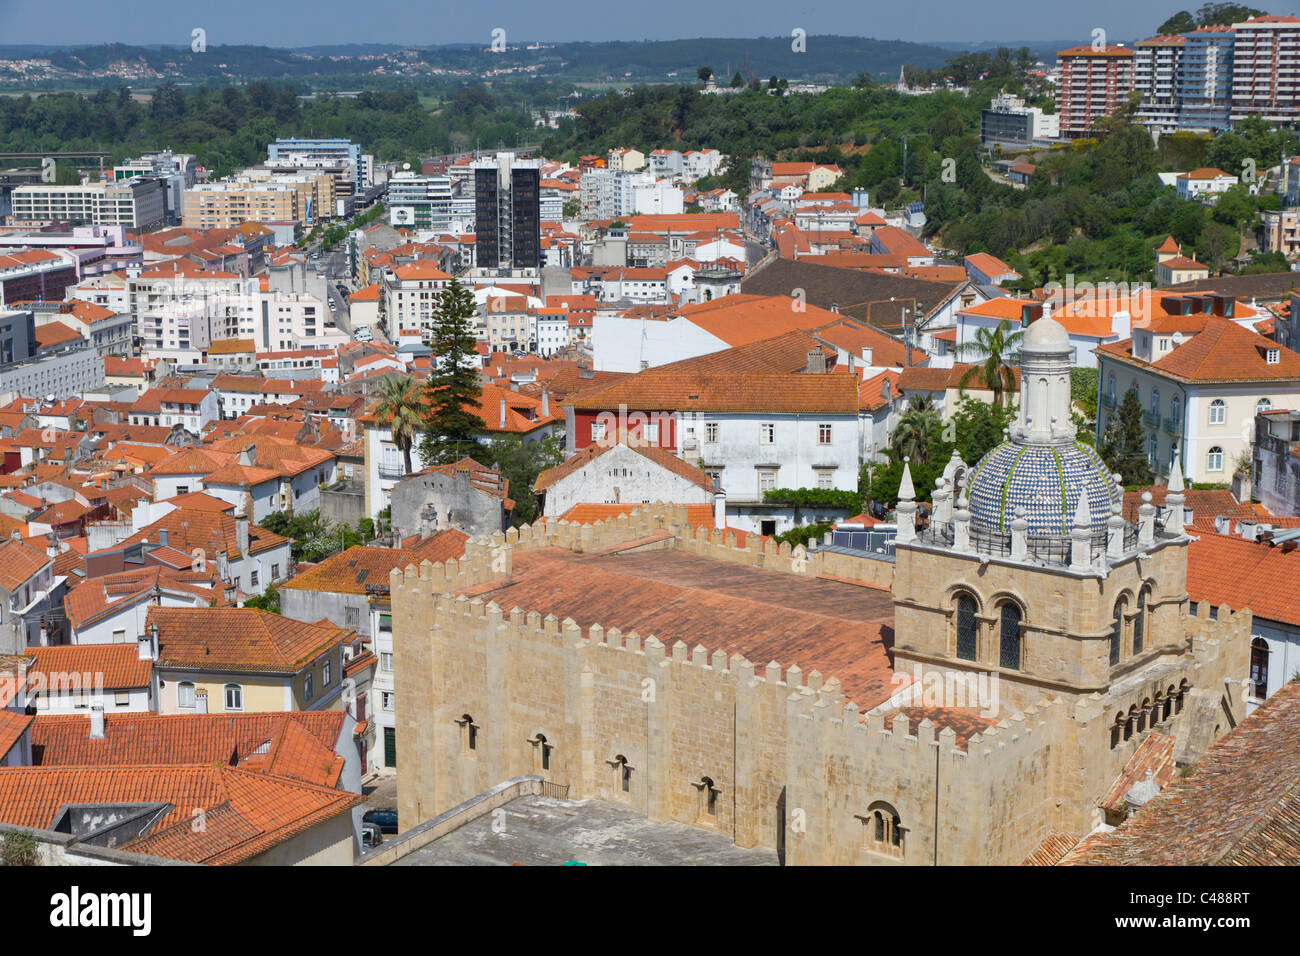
x=371, y=837
x=385, y=818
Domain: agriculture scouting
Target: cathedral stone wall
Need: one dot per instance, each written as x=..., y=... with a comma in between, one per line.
x=768, y=754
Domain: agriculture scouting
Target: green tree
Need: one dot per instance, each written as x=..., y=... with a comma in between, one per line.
x=737, y=81
x=19, y=849
x=402, y=411
x=994, y=348
x=979, y=427
x=1180, y=22
x=915, y=436
x=1123, y=446
x=520, y=463
x=268, y=600
x=453, y=390
x=704, y=73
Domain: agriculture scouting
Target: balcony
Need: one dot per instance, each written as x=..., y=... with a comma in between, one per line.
x=1151, y=418
x=1172, y=425
x=1108, y=401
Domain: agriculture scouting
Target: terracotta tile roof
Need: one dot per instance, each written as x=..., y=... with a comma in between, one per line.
x=654, y=454
x=591, y=513
x=1203, y=502
x=1050, y=851
x=249, y=741
x=107, y=595
x=990, y=265
x=54, y=334
x=439, y=547
x=660, y=390
x=19, y=562
x=270, y=809
x=1222, y=352
x=12, y=726
x=116, y=665
x=1223, y=570
x=249, y=639
x=353, y=570
x=1155, y=755
x=188, y=529
x=843, y=630
x=1240, y=806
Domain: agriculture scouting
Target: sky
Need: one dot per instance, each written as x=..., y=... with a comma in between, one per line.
x=311, y=22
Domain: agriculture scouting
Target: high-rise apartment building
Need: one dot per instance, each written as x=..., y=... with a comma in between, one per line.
x=1155, y=76
x=420, y=202
x=507, y=213
x=318, y=154
x=1094, y=81
x=1205, y=79
x=138, y=203
x=1266, y=70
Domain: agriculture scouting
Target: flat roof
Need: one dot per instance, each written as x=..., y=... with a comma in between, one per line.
x=542, y=831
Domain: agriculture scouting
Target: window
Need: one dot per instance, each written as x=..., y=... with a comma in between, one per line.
x=882, y=830
x=468, y=734
x=122, y=698
x=1117, y=632
x=967, y=628
x=1218, y=412
x=823, y=434
x=766, y=481
x=767, y=433
x=541, y=752
x=1214, y=460
x=711, y=432
x=1258, y=668
x=351, y=616
x=119, y=637
x=1152, y=449
x=253, y=577
x=825, y=477
x=1110, y=385
x=1262, y=406
x=325, y=673
x=234, y=697
x=185, y=694
x=1176, y=407
x=1272, y=356
x=275, y=572
x=708, y=797
x=650, y=433
x=1139, y=621
x=385, y=661
x=1009, y=637
x=386, y=700
x=623, y=773
x=308, y=690
x=1155, y=401
x=598, y=429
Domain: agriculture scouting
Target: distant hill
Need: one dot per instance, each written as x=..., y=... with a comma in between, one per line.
x=827, y=59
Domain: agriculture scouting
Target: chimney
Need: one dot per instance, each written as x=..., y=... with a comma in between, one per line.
x=97, y=722
x=719, y=506
x=1247, y=528
x=503, y=413
x=1222, y=524
x=816, y=362
x=241, y=534
x=546, y=404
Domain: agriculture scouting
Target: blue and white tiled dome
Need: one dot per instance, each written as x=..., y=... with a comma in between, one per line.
x=1045, y=480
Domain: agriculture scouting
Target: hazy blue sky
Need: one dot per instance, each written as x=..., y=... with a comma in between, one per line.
x=307, y=22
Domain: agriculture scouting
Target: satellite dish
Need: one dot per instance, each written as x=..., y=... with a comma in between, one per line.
x=406, y=165
x=1178, y=338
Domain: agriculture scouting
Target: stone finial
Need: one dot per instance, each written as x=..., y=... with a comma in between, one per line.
x=906, y=507
x=961, y=525
x=1146, y=521
x=1175, y=499
x=1115, y=532
x=1081, y=535
x=942, y=501
x=1019, y=535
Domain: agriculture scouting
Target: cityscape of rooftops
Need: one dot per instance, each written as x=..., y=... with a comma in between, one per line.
x=596, y=438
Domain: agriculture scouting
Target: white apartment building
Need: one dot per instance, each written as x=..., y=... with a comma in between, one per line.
x=409, y=296
x=420, y=202
x=134, y=203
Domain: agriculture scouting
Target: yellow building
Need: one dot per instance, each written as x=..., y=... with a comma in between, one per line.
x=228, y=205
x=245, y=660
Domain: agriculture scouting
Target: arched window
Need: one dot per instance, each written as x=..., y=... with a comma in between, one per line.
x=1009, y=637
x=967, y=628
x=234, y=697
x=1155, y=402
x=1218, y=412
x=1139, y=621
x=541, y=752
x=185, y=694
x=1117, y=633
x=1258, y=668
x=1131, y=722
x=1262, y=406
x=1214, y=460
x=1117, y=731
x=883, y=829
x=708, y=797
x=622, y=773
x=1176, y=409
x=1110, y=385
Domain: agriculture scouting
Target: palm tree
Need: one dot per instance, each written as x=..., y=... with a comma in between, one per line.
x=402, y=411
x=914, y=434
x=994, y=347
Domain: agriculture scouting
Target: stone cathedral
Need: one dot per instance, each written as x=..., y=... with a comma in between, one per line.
x=775, y=695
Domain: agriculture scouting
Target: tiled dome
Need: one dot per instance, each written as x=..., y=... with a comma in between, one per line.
x=1045, y=480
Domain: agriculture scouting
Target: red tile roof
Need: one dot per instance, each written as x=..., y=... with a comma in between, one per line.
x=112, y=666
x=250, y=639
